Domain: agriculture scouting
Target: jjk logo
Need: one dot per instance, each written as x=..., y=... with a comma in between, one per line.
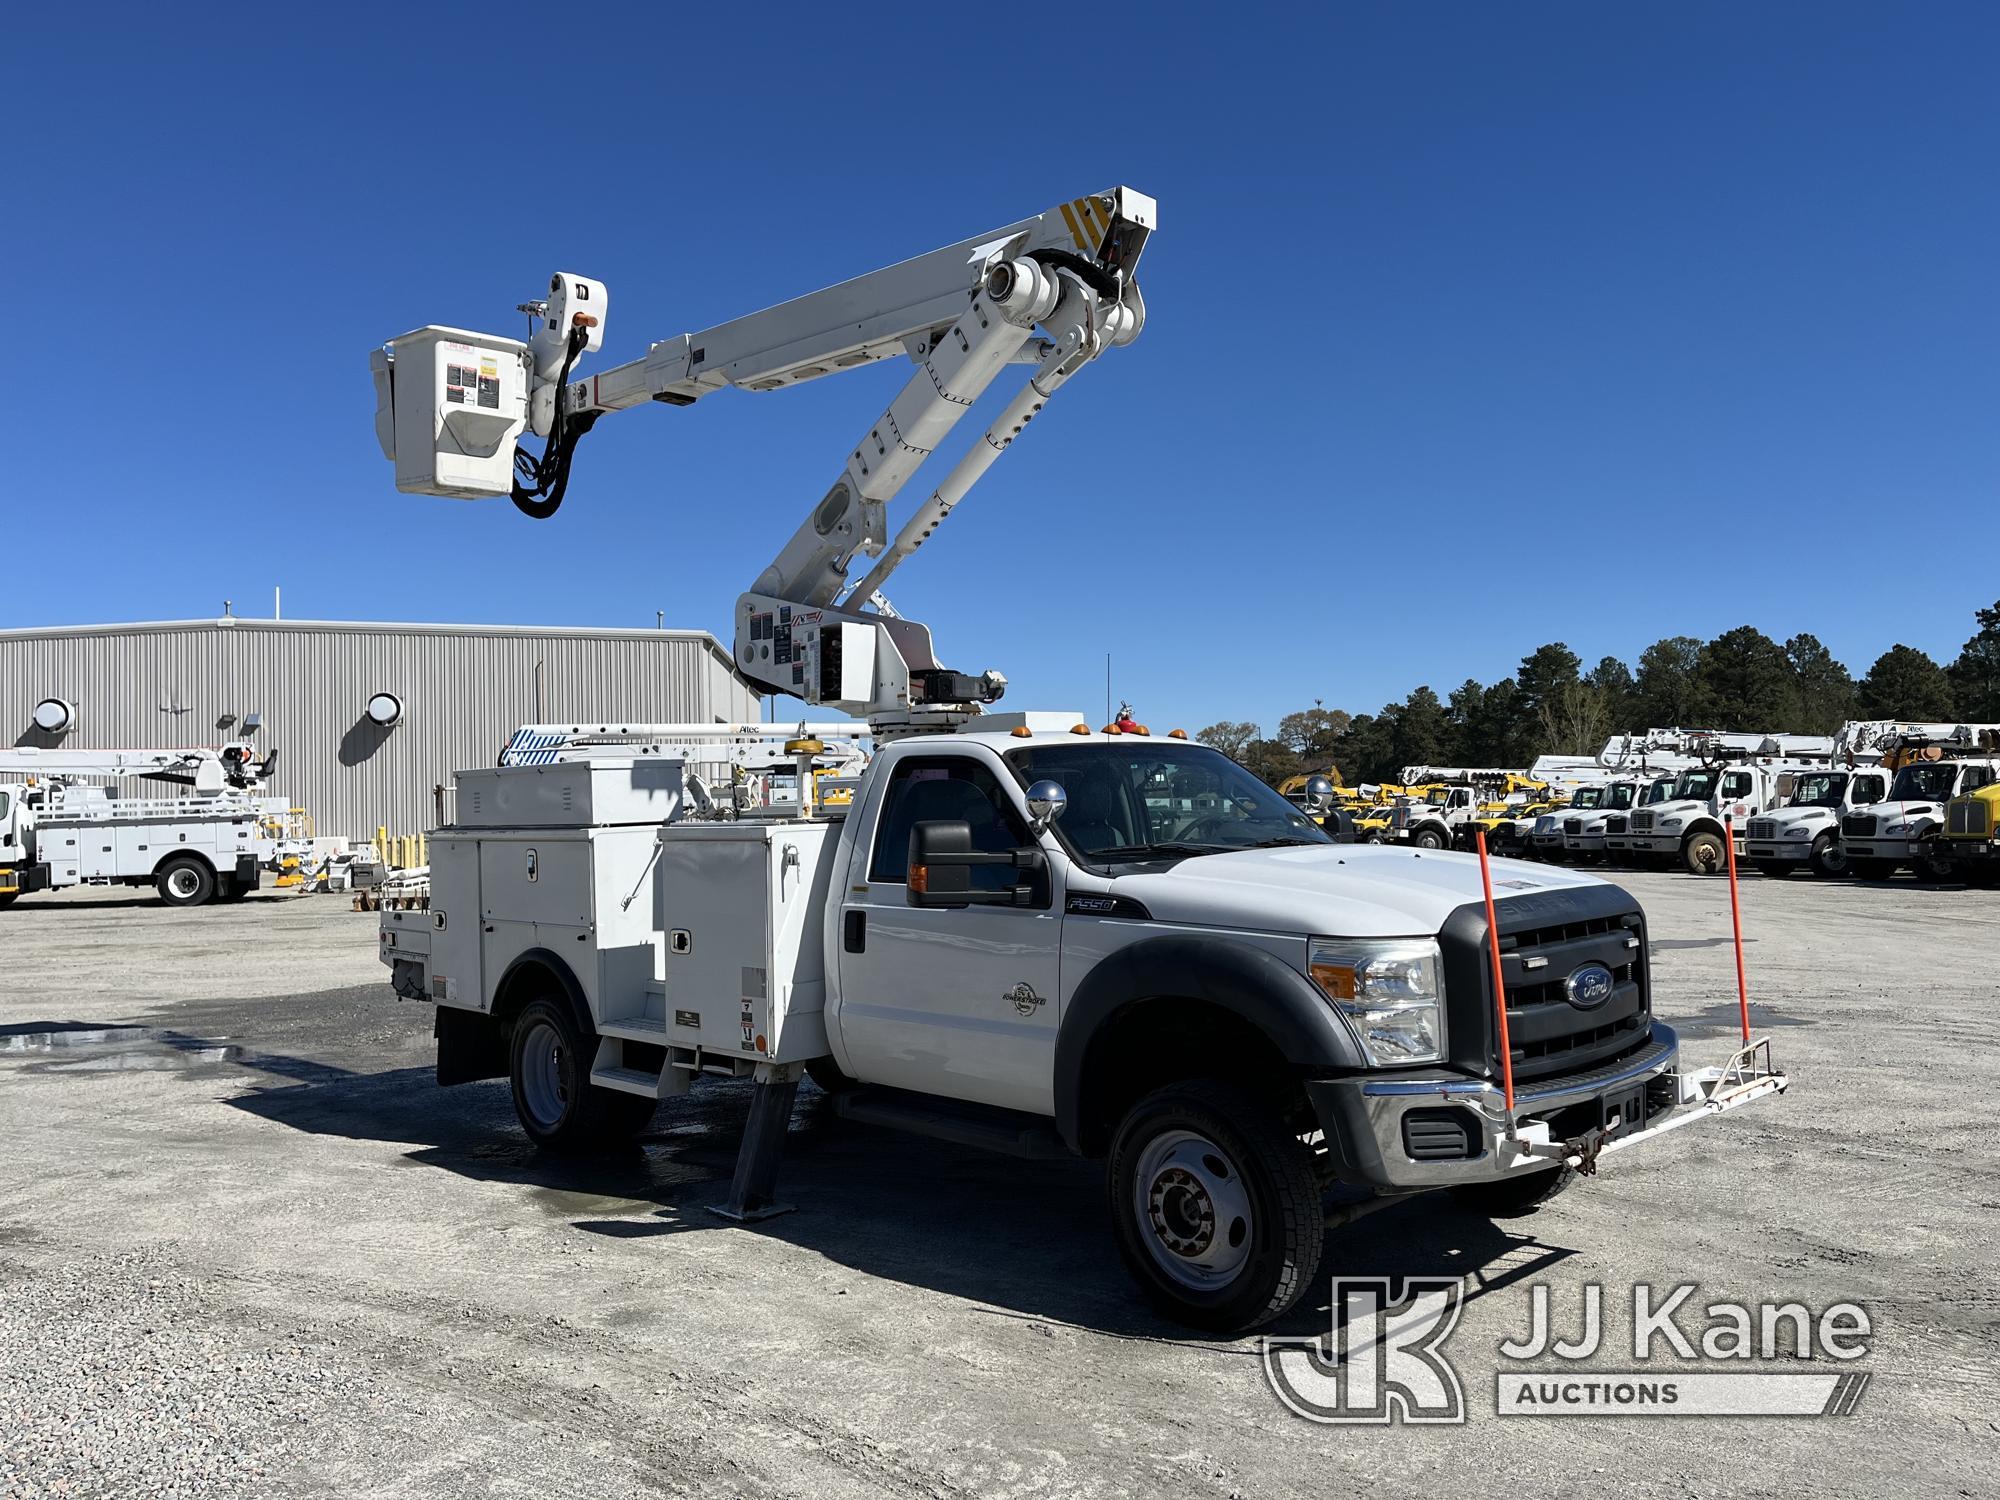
x=1387, y=1364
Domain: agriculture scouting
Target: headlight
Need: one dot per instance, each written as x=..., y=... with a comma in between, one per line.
x=1389, y=991
x=1668, y=825
x=1798, y=833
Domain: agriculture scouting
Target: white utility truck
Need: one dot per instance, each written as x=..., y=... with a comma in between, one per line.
x=1015, y=932
x=1804, y=832
x=1738, y=777
x=1586, y=835
x=57, y=831
x=1933, y=763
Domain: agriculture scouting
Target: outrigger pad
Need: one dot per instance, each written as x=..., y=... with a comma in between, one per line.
x=753, y=1188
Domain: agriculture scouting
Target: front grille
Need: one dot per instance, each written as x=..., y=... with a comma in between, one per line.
x=1858, y=825
x=1763, y=828
x=1572, y=825
x=1614, y=825
x=1642, y=822
x=1969, y=818
x=1547, y=1032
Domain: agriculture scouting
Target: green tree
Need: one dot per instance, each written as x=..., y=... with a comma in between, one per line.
x=1905, y=684
x=1547, y=675
x=1975, y=676
x=1232, y=737
x=1422, y=731
x=1664, y=687
x=1368, y=749
x=1743, y=680
x=1823, y=688
x=1313, y=732
x=1613, y=681
x=1271, y=760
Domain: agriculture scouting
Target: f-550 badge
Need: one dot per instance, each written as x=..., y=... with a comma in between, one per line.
x=1024, y=997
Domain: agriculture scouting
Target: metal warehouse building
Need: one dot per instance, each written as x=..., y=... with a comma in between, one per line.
x=464, y=688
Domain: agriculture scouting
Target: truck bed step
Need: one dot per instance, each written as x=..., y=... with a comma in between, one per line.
x=628, y=1081
x=1004, y=1130
x=635, y=1029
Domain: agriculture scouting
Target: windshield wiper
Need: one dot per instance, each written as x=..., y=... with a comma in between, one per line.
x=1291, y=841
x=1165, y=846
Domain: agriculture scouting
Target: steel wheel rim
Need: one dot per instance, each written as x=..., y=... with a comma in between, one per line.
x=1193, y=1210
x=1707, y=860
x=544, y=1086
x=1834, y=859
x=183, y=882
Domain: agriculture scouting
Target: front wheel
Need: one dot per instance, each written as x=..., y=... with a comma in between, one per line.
x=185, y=882
x=1703, y=854
x=1937, y=868
x=1215, y=1205
x=558, y=1105
x=1829, y=860
x=1427, y=838
x=1511, y=1197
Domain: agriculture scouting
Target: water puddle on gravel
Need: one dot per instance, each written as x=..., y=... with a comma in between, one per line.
x=72, y=1048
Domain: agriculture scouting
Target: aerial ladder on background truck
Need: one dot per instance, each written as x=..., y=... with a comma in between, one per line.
x=58, y=828
x=1052, y=292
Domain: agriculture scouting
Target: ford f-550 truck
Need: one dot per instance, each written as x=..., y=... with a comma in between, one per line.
x=1041, y=939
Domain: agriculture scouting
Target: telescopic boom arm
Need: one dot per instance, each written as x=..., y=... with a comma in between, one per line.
x=1053, y=291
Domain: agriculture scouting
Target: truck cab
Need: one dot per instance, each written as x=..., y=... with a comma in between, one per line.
x=1054, y=941
x=1430, y=823
x=1970, y=836
x=1896, y=831
x=1804, y=832
x=1688, y=825
x=1584, y=834
x=1545, y=839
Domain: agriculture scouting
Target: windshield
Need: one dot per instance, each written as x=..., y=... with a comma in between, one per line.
x=1134, y=802
x=1437, y=796
x=1659, y=791
x=1590, y=796
x=1930, y=782
x=1694, y=786
x=1821, y=789
x=1620, y=796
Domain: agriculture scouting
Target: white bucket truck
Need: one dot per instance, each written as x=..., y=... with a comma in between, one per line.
x=1017, y=932
x=1803, y=833
x=1932, y=764
x=58, y=831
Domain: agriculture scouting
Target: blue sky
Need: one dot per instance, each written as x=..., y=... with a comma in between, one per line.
x=1435, y=285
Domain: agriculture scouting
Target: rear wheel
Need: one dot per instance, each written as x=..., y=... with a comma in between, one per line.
x=1511, y=1197
x=1829, y=860
x=1703, y=854
x=185, y=882
x=558, y=1105
x=1215, y=1205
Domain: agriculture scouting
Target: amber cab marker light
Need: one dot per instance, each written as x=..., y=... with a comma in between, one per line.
x=1112, y=729
x=1079, y=729
x=1336, y=979
x=1021, y=732
x=1176, y=734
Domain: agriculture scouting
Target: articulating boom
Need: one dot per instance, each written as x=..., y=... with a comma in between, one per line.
x=1053, y=292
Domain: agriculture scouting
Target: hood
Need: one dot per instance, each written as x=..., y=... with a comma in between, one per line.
x=1902, y=812
x=1346, y=890
x=1683, y=809
x=1790, y=817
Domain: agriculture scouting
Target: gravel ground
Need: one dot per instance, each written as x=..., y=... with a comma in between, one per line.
x=248, y=1248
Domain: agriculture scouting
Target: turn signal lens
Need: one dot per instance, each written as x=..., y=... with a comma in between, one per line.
x=920, y=879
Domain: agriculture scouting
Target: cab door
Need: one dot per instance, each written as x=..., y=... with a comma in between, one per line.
x=957, y=1001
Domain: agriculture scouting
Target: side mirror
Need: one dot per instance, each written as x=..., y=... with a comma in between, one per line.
x=1046, y=802
x=942, y=860
x=1786, y=783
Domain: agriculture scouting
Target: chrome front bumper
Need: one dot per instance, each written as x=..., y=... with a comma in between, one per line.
x=1899, y=850
x=1363, y=1118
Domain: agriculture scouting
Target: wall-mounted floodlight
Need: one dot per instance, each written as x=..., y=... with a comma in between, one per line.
x=54, y=715
x=385, y=710
x=252, y=722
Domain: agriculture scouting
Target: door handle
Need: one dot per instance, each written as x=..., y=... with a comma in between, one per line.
x=854, y=931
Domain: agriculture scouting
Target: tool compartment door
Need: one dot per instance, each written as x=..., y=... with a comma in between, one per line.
x=534, y=892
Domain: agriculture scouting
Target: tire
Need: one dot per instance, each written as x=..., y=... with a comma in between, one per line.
x=1829, y=860
x=1703, y=854
x=1512, y=1197
x=1871, y=869
x=1215, y=1206
x=1938, y=870
x=825, y=1072
x=1427, y=838
x=185, y=881
x=559, y=1107
x=1776, y=869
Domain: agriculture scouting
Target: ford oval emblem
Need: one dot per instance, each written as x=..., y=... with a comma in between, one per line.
x=1589, y=986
